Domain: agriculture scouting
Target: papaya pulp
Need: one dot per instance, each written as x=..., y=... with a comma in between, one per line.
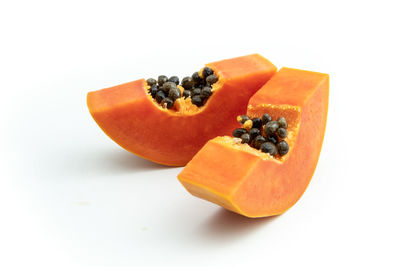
x=255, y=184
x=133, y=119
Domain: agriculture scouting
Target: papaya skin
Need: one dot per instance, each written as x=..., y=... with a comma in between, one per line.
x=130, y=117
x=255, y=184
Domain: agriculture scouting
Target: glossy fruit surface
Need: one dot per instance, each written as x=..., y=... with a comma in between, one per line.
x=132, y=118
x=255, y=184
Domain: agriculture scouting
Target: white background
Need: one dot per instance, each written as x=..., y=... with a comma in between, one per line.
x=69, y=196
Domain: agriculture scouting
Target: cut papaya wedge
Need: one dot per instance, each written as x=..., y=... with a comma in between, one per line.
x=130, y=116
x=255, y=184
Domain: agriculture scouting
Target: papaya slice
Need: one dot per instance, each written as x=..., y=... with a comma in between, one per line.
x=255, y=184
x=131, y=117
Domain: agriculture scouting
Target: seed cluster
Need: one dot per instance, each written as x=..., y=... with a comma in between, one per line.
x=263, y=133
x=198, y=87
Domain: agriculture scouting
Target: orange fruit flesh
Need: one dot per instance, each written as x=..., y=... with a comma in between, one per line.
x=255, y=184
x=134, y=120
